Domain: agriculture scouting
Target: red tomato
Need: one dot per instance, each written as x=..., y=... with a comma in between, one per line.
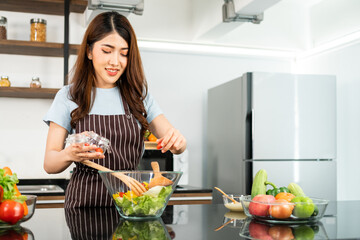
x=259, y=231
x=99, y=150
x=159, y=146
x=86, y=144
x=10, y=235
x=1, y=193
x=281, y=209
x=11, y=211
x=259, y=207
x=121, y=194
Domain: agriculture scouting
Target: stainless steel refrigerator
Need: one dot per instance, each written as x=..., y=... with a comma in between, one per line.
x=283, y=123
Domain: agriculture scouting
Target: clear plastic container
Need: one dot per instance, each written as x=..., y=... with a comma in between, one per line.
x=4, y=82
x=3, y=27
x=38, y=30
x=35, y=83
x=90, y=138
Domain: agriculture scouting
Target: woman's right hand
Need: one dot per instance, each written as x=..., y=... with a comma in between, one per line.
x=78, y=152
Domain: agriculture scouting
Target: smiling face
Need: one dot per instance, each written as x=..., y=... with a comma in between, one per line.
x=109, y=58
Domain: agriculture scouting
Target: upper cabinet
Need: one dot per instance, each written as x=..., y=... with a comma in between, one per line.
x=46, y=49
x=53, y=7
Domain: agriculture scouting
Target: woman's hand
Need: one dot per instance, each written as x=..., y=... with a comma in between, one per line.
x=79, y=152
x=173, y=140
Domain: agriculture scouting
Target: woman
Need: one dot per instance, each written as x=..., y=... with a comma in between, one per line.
x=107, y=95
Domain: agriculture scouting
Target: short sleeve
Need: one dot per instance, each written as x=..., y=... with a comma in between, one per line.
x=152, y=108
x=60, y=111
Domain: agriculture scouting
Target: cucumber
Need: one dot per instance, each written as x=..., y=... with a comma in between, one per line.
x=296, y=190
x=259, y=183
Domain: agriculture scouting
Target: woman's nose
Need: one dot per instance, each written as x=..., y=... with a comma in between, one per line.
x=114, y=60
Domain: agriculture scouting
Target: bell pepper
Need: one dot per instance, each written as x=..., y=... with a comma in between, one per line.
x=285, y=195
x=275, y=189
x=304, y=207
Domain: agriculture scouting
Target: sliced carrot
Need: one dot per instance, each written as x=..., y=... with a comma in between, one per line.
x=26, y=210
x=25, y=236
x=17, y=192
x=7, y=171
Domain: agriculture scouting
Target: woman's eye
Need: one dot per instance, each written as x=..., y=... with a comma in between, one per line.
x=124, y=53
x=106, y=51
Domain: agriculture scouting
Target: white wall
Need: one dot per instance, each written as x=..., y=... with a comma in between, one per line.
x=179, y=82
x=344, y=63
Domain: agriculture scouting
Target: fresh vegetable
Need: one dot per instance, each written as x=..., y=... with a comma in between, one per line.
x=296, y=190
x=286, y=196
x=12, y=203
x=147, y=134
x=11, y=211
x=259, y=205
x=275, y=189
x=140, y=230
x=259, y=183
x=147, y=204
x=279, y=232
x=259, y=231
x=1, y=193
x=316, y=210
x=281, y=209
x=99, y=150
x=304, y=233
x=304, y=207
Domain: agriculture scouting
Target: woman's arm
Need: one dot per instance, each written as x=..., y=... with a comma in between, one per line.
x=169, y=137
x=57, y=159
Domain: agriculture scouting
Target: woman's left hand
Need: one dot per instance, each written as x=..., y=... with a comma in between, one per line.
x=173, y=140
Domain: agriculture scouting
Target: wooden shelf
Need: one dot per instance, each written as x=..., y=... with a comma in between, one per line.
x=150, y=145
x=20, y=92
x=46, y=49
x=52, y=7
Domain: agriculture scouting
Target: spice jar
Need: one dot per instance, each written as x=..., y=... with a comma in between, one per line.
x=4, y=82
x=38, y=30
x=35, y=82
x=3, y=27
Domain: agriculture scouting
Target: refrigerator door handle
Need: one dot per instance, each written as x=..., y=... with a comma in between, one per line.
x=252, y=125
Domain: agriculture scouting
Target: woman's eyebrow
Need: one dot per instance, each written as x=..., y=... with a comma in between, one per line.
x=112, y=47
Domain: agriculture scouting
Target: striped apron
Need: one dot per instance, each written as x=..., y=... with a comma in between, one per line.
x=86, y=188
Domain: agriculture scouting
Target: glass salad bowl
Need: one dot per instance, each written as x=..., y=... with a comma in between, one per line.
x=146, y=230
x=31, y=203
x=285, y=212
x=151, y=204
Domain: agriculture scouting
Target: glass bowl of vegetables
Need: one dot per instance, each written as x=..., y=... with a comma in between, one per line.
x=299, y=209
x=10, y=217
x=148, y=204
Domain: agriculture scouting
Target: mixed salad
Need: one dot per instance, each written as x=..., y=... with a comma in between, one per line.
x=12, y=204
x=148, y=204
x=141, y=230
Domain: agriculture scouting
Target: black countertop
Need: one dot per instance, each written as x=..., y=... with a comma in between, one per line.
x=187, y=222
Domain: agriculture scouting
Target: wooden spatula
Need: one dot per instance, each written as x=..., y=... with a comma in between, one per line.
x=158, y=180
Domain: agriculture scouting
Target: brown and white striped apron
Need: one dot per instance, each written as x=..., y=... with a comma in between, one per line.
x=86, y=188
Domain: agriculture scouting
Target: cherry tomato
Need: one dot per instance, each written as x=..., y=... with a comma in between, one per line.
x=281, y=209
x=86, y=144
x=159, y=146
x=99, y=150
x=11, y=211
x=121, y=194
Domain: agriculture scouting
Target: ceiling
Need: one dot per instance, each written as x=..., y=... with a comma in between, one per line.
x=288, y=25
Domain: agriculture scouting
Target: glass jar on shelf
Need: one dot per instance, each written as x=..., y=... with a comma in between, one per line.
x=3, y=27
x=4, y=81
x=38, y=30
x=35, y=83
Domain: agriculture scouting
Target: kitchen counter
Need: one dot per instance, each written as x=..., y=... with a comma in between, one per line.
x=182, y=222
x=50, y=197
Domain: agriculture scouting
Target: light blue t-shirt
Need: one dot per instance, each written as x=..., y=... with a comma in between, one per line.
x=107, y=102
